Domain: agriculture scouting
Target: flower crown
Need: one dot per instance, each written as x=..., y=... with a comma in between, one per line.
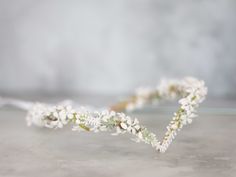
x=190, y=90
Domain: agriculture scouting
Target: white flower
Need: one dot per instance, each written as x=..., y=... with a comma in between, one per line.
x=70, y=112
x=35, y=115
x=62, y=115
x=123, y=125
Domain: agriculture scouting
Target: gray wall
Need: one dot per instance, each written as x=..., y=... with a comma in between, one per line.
x=112, y=47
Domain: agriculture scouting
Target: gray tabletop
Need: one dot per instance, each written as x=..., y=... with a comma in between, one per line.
x=205, y=148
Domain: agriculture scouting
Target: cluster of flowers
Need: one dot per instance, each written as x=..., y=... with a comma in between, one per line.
x=84, y=120
x=191, y=90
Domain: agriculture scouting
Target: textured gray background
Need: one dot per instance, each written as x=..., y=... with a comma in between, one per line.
x=107, y=46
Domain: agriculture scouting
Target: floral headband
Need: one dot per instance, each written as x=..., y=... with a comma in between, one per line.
x=190, y=91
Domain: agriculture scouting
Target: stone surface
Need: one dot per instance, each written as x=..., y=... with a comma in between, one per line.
x=205, y=148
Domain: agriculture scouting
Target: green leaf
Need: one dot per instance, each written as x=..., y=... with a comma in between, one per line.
x=84, y=127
